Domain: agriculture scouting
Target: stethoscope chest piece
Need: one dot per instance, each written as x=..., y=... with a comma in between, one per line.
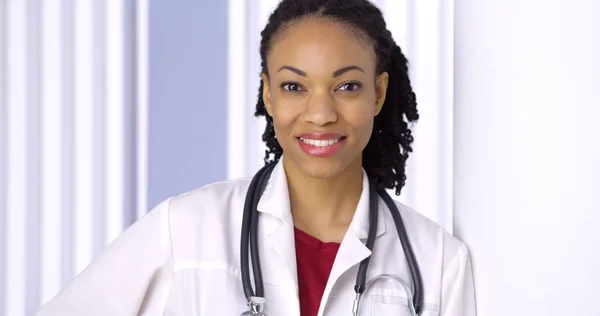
x=255, y=306
x=251, y=313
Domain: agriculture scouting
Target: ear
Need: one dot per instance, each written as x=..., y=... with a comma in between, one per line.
x=266, y=93
x=381, y=84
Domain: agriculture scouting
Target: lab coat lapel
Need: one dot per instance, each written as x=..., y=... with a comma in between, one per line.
x=277, y=226
x=352, y=249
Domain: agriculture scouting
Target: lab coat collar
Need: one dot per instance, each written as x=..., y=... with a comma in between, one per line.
x=275, y=201
x=360, y=222
x=278, y=228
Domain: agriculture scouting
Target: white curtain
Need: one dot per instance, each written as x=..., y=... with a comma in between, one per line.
x=424, y=30
x=72, y=139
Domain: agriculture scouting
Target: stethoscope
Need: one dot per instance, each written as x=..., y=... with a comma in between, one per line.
x=256, y=299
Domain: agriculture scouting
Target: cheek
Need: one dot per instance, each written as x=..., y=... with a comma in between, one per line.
x=360, y=112
x=361, y=122
x=360, y=118
x=284, y=114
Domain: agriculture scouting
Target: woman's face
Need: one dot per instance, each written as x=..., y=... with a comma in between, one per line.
x=323, y=94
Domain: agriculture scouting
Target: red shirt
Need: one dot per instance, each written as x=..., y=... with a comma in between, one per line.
x=314, y=260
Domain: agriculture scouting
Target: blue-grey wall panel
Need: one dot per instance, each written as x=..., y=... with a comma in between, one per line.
x=187, y=96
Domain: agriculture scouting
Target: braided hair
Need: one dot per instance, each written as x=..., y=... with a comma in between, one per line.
x=384, y=157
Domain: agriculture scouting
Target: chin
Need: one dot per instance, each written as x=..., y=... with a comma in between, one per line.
x=321, y=168
x=320, y=172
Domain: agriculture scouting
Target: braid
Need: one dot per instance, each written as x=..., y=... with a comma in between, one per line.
x=269, y=135
x=385, y=156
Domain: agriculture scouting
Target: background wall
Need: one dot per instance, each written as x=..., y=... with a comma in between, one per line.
x=527, y=147
x=187, y=106
x=68, y=133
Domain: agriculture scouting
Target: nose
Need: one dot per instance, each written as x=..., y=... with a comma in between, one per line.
x=320, y=109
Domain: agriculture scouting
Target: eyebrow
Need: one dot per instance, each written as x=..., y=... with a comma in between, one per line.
x=336, y=73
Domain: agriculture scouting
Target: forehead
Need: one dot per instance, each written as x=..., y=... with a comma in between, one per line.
x=315, y=43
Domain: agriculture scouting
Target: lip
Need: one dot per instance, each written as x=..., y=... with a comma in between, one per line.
x=321, y=151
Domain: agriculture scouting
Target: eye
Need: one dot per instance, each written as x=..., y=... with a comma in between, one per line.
x=350, y=86
x=291, y=86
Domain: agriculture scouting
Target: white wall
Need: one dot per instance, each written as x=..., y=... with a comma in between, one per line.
x=527, y=148
x=68, y=154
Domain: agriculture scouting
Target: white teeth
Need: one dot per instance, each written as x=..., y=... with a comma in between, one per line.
x=320, y=142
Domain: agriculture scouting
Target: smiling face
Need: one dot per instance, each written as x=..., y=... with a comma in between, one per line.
x=323, y=94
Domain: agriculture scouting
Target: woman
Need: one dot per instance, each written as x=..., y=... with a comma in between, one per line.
x=337, y=99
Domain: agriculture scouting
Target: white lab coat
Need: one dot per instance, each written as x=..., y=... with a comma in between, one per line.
x=183, y=259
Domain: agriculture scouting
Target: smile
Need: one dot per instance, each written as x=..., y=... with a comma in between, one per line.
x=320, y=142
x=321, y=147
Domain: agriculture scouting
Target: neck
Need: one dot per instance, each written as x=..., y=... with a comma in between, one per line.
x=322, y=205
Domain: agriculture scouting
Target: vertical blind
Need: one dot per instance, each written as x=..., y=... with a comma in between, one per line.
x=424, y=30
x=72, y=162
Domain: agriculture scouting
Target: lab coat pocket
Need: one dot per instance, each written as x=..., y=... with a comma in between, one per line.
x=398, y=309
x=395, y=309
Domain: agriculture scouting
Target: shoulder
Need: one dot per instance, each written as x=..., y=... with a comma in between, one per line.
x=217, y=192
x=430, y=237
x=215, y=199
x=208, y=213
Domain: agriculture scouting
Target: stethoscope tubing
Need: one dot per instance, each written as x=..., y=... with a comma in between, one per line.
x=250, y=229
x=254, y=231
x=361, y=276
x=413, y=267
